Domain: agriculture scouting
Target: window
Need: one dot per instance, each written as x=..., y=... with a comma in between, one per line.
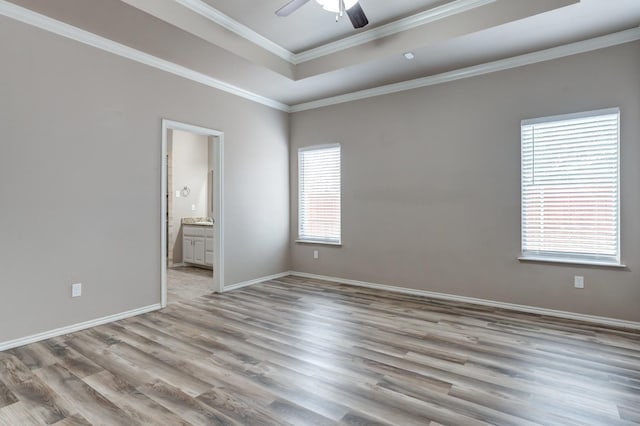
x=570, y=188
x=319, y=194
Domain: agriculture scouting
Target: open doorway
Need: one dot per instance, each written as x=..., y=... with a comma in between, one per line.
x=192, y=211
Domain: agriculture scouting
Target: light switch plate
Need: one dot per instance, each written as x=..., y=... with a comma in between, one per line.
x=76, y=290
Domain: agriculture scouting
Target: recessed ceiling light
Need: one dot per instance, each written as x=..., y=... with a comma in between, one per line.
x=409, y=55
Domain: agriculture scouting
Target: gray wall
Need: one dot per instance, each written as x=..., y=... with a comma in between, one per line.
x=431, y=185
x=80, y=180
x=431, y=182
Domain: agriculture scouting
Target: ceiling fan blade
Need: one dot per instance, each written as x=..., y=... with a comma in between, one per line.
x=357, y=16
x=291, y=7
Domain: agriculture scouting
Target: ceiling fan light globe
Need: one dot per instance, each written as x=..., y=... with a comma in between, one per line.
x=334, y=5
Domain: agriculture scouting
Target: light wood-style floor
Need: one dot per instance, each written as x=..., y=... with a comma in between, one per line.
x=297, y=351
x=188, y=282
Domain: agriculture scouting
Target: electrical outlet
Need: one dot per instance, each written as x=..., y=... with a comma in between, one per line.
x=76, y=290
x=578, y=281
x=193, y=207
x=316, y=254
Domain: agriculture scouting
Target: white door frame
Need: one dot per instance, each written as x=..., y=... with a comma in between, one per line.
x=218, y=199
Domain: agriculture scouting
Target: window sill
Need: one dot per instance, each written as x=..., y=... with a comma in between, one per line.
x=546, y=259
x=323, y=243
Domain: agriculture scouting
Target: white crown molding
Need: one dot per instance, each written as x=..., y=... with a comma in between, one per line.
x=613, y=322
x=477, y=70
x=255, y=281
x=76, y=327
x=452, y=8
x=431, y=15
x=46, y=23
x=35, y=19
x=213, y=14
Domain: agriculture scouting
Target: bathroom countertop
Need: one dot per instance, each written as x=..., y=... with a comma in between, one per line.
x=198, y=221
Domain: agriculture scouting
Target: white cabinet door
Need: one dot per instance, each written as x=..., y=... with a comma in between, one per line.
x=187, y=249
x=198, y=250
x=197, y=245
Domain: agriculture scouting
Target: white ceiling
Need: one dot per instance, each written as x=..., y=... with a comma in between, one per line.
x=244, y=44
x=311, y=26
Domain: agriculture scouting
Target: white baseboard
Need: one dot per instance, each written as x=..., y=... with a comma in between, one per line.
x=441, y=296
x=255, y=281
x=76, y=327
x=484, y=302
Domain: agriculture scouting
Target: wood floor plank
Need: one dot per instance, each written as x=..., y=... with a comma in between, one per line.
x=157, y=368
x=302, y=351
x=19, y=414
x=102, y=355
x=85, y=400
x=240, y=365
x=360, y=419
x=36, y=396
x=476, y=411
x=631, y=414
x=294, y=414
x=74, y=420
x=6, y=396
x=244, y=411
x=185, y=406
x=34, y=356
x=243, y=403
x=71, y=359
x=136, y=405
x=219, y=373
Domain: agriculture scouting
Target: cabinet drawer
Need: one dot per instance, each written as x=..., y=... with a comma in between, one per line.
x=209, y=245
x=208, y=232
x=195, y=231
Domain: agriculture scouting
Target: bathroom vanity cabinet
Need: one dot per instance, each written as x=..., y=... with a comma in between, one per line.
x=197, y=245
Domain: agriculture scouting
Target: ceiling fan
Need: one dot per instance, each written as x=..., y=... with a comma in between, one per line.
x=351, y=7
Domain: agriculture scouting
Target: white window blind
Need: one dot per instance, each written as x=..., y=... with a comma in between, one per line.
x=570, y=187
x=319, y=194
